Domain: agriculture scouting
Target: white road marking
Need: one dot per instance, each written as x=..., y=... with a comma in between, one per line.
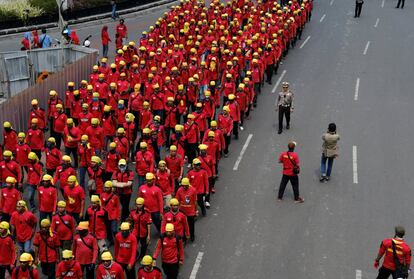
x=383, y=3
x=356, y=90
x=322, y=18
x=366, y=47
x=304, y=43
x=279, y=81
x=376, y=23
x=358, y=274
x=196, y=265
x=355, y=165
x=331, y=2
x=246, y=144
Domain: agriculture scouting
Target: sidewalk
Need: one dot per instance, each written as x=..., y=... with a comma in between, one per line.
x=86, y=19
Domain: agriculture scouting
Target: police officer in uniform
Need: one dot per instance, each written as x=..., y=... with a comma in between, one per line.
x=285, y=105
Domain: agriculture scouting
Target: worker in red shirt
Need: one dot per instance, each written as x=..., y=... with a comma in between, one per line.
x=290, y=161
x=22, y=151
x=207, y=164
x=122, y=180
x=8, y=253
x=69, y=97
x=9, y=137
x=154, y=202
x=53, y=101
x=171, y=248
x=394, y=250
x=35, y=138
x=68, y=268
x=112, y=205
x=187, y=197
x=192, y=137
x=34, y=176
x=85, y=249
x=26, y=268
x=199, y=180
x=23, y=224
x=218, y=135
x=126, y=250
x=95, y=176
x=141, y=220
x=39, y=113
x=71, y=139
x=165, y=181
x=111, y=161
x=122, y=31
x=85, y=118
x=144, y=162
x=9, y=167
x=64, y=225
x=64, y=171
x=225, y=124
x=53, y=156
x=59, y=123
x=75, y=198
x=148, y=270
x=108, y=268
x=234, y=114
x=85, y=153
x=97, y=217
x=46, y=245
x=47, y=196
x=178, y=219
x=213, y=150
x=175, y=163
x=9, y=196
x=122, y=143
x=96, y=136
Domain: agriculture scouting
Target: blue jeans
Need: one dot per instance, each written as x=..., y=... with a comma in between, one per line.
x=31, y=190
x=25, y=247
x=114, y=13
x=82, y=176
x=324, y=171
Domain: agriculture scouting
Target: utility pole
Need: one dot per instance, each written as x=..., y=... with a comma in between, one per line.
x=61, y=21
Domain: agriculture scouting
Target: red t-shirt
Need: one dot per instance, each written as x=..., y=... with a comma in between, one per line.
x=8, y=250
x=153, y=198
x=141, y=221
x=24, y=224
x=47, y=198
x=74, y=197
x=82, y=249
x=125, y=249
x=68, y=270
x=188, y=200
x=9, y=199
x=114, y=271
x=287, y=164
x=64, y=226
x=47, y=247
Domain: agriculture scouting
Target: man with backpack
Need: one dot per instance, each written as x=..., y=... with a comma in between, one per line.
x=85, y=249
x=25, y=270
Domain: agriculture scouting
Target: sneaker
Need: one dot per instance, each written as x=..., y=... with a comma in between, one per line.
x=327, y=178
x=189, y=166
x=279, y=200
x=300, y=200
x=213, y=190
x=241, y=128
x=322, y=178
x=207, y=205
x=287, y=127
x=279, y=132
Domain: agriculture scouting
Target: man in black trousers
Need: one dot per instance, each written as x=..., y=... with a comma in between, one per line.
x=358, y=7
x=400, y=2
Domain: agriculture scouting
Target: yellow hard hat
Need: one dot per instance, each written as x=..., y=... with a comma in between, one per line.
x=121, y=131
x=122, y=162
x=174, y=201
x=26, y=257
x=125, y=226
x=112, y=145
x=231, y=97
x=22, y=203
x=95, y=121
x=32, y=156
x=95, y=95
x=95, y=67
x=21, y=135
x=4, y=225
x=6, y=124
x=173, y=148
x=35, y=121
x=181, y=87
x=104, y=60
x=51, y=139
x=106, y=256
x=85, y=137
x=139, y=201
x=108, y=184
x=66, y=158
x=89, y=87
x=7, y=153
x=45, y=223
x=149, y=176
x=69, y=121
x=207, y=93
x=59, y=106
x=143, y=144
x=35, y=102
x=61, y=204
x=96, y=160
x=190, y=116
x=213, y=123
x=11, y=180
x=162, y=163
x=179, y=128
x=211, y=134
x=71, y=83
x=67, y=254
x=226, y=108
x=169, y=227
x=85, y=105
x=107, y=108
x=196, y=161
x=199, y=105
x=72, y=178
x=52, y=93
x=84, y=225
x=147, y=260
x=145, y=104
x=146, y=130
x=203, y=146
x=185, y=181
x=95, y=198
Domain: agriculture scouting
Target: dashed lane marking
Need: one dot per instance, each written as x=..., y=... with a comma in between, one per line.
x=355, y=165
x=356, y=95
x=246, y=144
x=196, y=266
x=366, y=47
x=279, y=81
x=304, y=43
x=322, y=18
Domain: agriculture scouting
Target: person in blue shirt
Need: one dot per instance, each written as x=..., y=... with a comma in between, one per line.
x=45, y=40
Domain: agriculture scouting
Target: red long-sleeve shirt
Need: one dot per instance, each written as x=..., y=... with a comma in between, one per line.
x=141, y=221
x=53, y=158
x=179, y=220
x=125, y=249
x=171, y=248
x=165, y=181
x=10, y=168
x=114, y=271
x=199, y=180
x=97, y=219
x=8, y=250
x=69, y=270
x=10, y=140
x=28, y=273
x=188, y=200
x=96, y=137
x=155, y=273
x=64, y=226
x=34, y=174
x=402, y=250
x=9, y=199
x=74, y=197
x=112, y=205
x=153, y=198
x=35, y=139
x=22, y=151
x=85, y=249
x=48, y=247
x=175, y=164
x=144, y=162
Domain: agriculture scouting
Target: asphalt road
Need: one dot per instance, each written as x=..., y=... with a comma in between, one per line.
x=336, y=232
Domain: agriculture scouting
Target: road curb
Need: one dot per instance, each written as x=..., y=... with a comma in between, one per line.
x=86, y=19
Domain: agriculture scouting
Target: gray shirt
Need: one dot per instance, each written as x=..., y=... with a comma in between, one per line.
x=285, y=99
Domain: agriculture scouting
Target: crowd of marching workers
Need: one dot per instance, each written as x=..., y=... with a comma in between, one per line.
x=165, y=111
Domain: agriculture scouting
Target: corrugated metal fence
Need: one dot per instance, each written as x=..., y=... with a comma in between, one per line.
x=16, y=109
